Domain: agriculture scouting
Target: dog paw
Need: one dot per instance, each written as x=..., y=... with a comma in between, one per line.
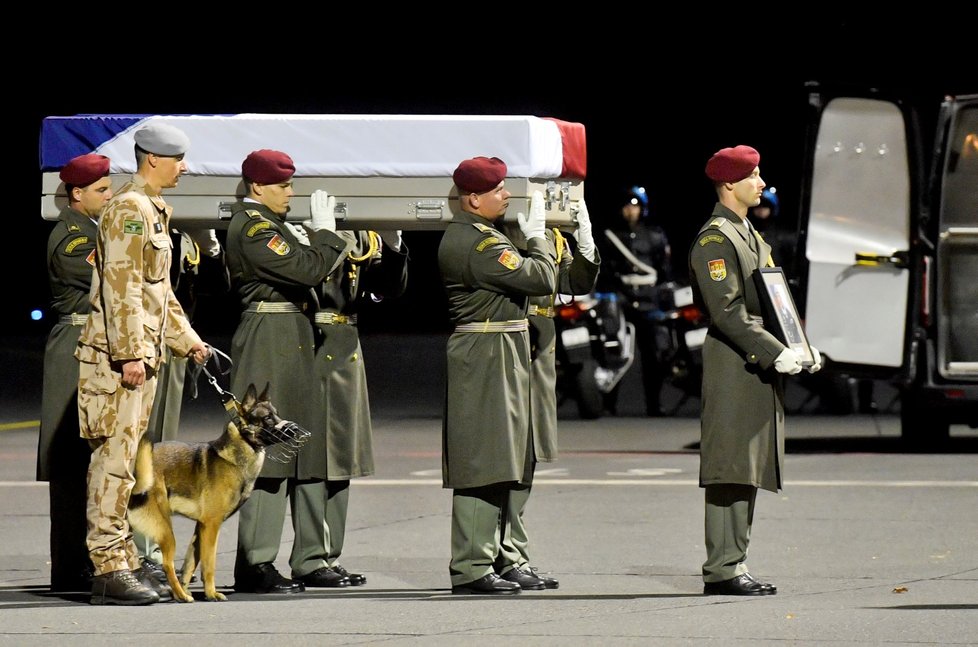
x=217, y=596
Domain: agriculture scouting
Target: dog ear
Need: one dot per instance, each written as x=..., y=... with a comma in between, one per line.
x=250, y=398
x=264, y=394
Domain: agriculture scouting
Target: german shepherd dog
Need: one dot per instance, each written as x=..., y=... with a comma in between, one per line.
x=206, y=482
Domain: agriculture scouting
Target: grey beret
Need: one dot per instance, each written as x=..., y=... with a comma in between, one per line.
x=162, y=139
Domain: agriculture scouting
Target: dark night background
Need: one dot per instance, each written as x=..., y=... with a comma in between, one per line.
x=653, y=113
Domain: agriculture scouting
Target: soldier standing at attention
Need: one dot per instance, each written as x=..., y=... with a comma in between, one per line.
x=62, y=455
x=134, y=313
x=742, y=417
x=486, y=432
x=276, y=268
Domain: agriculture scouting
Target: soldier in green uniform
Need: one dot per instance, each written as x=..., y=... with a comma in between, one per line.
x=742, y=418
x=374, y=268
x=486, y=437
x=134, y=313
x=276, y=269
x=62, y=455
x=576, y=274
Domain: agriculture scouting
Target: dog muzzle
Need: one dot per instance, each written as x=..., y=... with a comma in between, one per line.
x=283, y=441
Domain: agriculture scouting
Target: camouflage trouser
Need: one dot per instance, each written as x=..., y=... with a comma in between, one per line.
x=112, y=418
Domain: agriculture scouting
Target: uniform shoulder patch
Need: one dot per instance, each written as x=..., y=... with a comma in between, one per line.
x=75, y=242
x=711, y=238
x=255, y=228
x=486, y=229
x=90, y=259
x=133, y=227
x=718, y=269
x=510, y=259
x=486, y=242
x=253, y=213
x=278, y=245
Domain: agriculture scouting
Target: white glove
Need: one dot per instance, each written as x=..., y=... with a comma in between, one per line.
x=206, y=240
x=585, y=240
x=321, y=207
x=788, y=362
x=536, y=225
x=817, y=366
x=298, y=232
x=392, y=238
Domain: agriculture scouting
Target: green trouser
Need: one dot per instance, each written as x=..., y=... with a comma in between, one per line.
x=513, y=540
x=729, y=515
x=476, y=516
x=318, y=521
x=337, y=504
x=163, y=425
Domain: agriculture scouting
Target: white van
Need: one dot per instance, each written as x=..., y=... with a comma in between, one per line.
x=888, y=281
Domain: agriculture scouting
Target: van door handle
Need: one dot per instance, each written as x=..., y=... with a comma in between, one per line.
x=899, y=259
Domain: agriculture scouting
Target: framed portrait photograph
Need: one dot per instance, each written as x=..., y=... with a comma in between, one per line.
x=780, y=314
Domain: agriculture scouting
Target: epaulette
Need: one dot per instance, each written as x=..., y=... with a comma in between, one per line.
x=486, y=229
x=74, y=227
x=716, y=222
x=253, y=213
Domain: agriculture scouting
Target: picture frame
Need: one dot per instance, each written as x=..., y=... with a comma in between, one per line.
x=781, y=317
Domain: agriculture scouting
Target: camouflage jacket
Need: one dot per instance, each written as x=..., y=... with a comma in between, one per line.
x=134, y=311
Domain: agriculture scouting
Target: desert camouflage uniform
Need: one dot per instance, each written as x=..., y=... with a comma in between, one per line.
x=62, y=456
x=134, y=313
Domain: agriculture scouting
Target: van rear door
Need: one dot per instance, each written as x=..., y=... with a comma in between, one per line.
x=861, y=209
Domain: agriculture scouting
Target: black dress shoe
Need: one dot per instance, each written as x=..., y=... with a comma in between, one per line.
x=356, y=579
x=548, y=582
x=152, y=567
x=765, y=585
x=490, y=584
x=740, y=585
x=324, y=577
x=264, y=578
x=525, y=579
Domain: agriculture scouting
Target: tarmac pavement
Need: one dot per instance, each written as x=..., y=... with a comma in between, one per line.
x=867, y=545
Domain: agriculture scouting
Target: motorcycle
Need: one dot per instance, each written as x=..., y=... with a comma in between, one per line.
x=596, y=345
x=595, y=349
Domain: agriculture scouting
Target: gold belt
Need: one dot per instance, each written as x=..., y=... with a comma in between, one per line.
x=516, y=325
x=333, y=318
x=74, y=319
x=537, y=311
x=275, y=307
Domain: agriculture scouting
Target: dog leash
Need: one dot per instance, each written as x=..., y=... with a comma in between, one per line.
x=228, y=399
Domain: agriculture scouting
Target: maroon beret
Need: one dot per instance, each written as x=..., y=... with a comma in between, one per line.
x=732, y=164
x=267, y=167
x=479, y=174
x=85, y=169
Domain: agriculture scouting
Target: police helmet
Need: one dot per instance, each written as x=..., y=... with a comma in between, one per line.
x=638, y=195
x=769, y=197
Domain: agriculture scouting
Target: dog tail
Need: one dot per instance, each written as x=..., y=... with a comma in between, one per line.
x=144, y=466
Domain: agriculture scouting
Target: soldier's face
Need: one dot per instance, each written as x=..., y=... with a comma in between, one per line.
x=748, y=191
x=170, y=169
x=93, y=197
x=493, y=204
x=277, y=196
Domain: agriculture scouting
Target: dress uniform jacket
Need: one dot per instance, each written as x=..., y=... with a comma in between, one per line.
x=485, y=435
x=368, y=270
x=743, y=399
x=71, y=257
x=575, y=275
x=134, y=311
x=268, y=265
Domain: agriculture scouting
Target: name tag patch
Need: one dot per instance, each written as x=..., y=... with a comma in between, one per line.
x=133, y=227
